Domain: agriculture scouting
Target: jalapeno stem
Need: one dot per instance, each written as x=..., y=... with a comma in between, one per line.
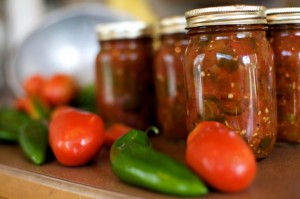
x=153, y=129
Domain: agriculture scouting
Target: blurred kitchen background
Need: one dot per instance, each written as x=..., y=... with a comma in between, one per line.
x=57, y=35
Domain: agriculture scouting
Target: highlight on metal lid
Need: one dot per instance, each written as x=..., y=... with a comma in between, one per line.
x=123, y=30
x=171, y=25
x=226, y=15
x=287, y=15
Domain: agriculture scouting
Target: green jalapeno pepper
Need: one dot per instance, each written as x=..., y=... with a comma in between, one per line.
x=33, y=140
x=134, y=161
x=85, y=98
x=11, y=121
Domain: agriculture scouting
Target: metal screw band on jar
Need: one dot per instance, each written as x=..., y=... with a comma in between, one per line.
x=288, y=15
x=123, y=30
x=226, y=15
x=171, y=25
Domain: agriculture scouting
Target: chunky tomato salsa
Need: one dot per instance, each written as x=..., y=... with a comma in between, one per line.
x=171, y=108
x=285, y=41
x=230, y=78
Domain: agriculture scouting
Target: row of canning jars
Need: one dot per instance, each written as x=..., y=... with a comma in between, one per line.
x=220, y=69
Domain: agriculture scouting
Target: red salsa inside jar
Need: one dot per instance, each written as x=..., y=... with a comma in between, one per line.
x=168, y=65
x=284, y=36
x=230, y=78
x=124, y=76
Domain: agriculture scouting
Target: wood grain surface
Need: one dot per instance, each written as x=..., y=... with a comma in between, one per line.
x=278, y=176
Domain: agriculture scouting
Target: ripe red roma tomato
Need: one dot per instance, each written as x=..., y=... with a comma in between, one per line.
x=33, y=85
x=59, y=89
x=76, y=136
x=59, y=109
x=221, y=157
x=114, y=132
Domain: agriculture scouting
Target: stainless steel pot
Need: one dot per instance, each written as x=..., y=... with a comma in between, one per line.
x=65, y=42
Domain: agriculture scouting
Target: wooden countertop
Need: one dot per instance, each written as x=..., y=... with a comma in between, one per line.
x=278, y=176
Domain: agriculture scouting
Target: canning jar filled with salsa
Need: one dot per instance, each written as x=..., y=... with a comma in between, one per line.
x=284, y=36
x=168, y=65
x=124, y=74
x=229, y=73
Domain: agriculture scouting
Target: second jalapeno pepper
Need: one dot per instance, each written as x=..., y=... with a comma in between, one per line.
x=134, y=161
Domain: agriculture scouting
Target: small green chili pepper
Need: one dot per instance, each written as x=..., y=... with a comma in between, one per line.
x=11, y=121
x=86, y=98
x=41, y=110
x=134, y=161
x=33, y=140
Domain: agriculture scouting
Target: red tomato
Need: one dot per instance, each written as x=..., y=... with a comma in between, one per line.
x=76, y=136
x=220, y=157
x=114, y=132
x=33, y=85
x=60, y=109
x=59, y=89
x=25, y=104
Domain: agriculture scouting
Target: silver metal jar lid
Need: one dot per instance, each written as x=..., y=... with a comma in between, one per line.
x=123, y=30
x=288, y=15
x=171, y=25
x=226, y=15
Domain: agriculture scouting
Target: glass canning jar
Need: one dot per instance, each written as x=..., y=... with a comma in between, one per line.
x=229, y=73
x=284, y=37
x=168, y=67
x=124, y=74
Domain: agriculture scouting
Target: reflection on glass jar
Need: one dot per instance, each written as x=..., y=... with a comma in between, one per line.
x=171, y=109
x=124, y=77
x=229, y=73
x=284, y=36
